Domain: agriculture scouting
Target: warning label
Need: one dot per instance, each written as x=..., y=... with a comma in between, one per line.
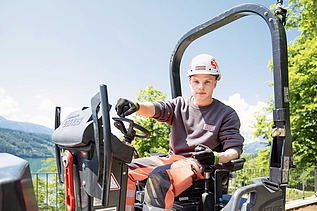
x=114, y=185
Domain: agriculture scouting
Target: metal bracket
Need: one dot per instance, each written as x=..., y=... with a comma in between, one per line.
x=279, y=114
x=278, y=132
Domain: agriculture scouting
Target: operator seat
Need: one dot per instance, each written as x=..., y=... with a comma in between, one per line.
x=210, y=193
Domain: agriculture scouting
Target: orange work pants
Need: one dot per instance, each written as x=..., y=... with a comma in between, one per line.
x=167, y=177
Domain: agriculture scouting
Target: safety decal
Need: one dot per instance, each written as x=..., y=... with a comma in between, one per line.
x=114, y=185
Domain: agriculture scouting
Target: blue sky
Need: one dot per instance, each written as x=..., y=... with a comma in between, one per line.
x=57, y=53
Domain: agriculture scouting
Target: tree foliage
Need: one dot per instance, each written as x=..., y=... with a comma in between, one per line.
x=158, y=142
x=302, y=16
x=302, y=56
x=263, y=131
x=302, y=63
x=23, y=144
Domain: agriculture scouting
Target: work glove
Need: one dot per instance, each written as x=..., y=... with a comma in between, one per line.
x=126, y=107
x=205, y=156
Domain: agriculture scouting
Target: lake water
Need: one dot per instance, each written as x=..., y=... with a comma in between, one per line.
x=35, y=163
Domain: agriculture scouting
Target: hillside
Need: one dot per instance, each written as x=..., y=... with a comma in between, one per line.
x=24, y=126
x=24, y=144
x=253, y=147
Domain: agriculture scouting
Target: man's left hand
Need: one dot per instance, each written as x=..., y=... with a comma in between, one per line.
x=205, y=156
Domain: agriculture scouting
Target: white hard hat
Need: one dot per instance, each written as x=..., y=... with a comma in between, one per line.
x=204, y=64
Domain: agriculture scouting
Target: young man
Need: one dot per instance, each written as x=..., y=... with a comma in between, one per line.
x=198, y=120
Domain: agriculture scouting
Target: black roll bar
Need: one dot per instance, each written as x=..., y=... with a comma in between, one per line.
x=103, y=160
x=108, y=154
x=60, y=170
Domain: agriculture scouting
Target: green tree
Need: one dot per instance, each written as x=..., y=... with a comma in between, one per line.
x=303, y=81
x=158, y=142
x=263, y=131
x=302, y=63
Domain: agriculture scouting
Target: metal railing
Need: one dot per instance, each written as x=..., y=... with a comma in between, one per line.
x=49, y=193
x=302, y=184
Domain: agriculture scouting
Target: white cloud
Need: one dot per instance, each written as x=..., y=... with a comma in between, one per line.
x=246, y=114
x=8, y=106
x=42, y=104
x=39, y=110
x=44, y=111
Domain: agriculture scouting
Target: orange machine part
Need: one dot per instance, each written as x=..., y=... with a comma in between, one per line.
x=69, y=182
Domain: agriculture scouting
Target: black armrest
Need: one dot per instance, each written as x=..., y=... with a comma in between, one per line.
x=233, y=165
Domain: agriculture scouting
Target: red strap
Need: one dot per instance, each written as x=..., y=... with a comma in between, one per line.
x=69, y=182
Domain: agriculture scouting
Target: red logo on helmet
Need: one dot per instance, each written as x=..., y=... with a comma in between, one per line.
x=214, y=64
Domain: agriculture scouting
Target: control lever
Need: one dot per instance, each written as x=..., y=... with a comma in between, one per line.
x=207, y=196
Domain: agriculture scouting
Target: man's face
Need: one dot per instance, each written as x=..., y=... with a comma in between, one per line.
x=202, y=87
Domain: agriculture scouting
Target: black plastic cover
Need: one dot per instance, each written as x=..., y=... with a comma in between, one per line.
x=76, y=130
x=16, y=187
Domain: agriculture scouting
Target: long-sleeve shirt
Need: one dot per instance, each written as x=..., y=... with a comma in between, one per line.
x=216, y=125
